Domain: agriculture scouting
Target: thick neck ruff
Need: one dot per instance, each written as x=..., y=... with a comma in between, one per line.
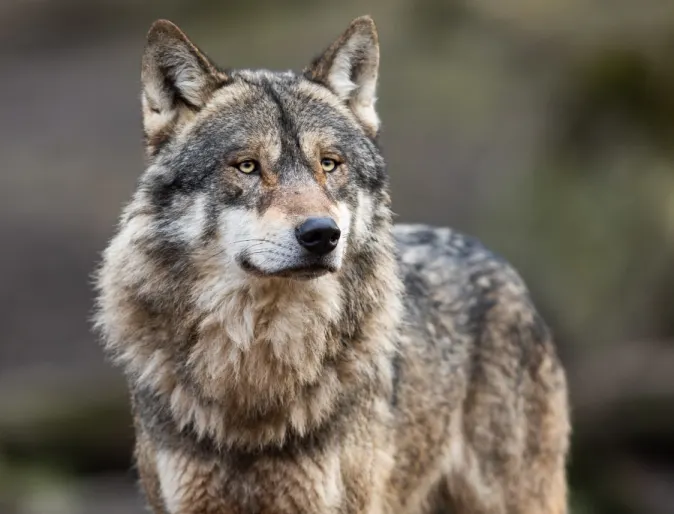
x=246, y=361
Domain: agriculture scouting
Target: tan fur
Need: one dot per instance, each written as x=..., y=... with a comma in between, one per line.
x=298, y=201
x=413, y=375
x=319, y=145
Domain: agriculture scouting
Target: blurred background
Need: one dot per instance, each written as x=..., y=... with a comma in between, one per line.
x=544, y=128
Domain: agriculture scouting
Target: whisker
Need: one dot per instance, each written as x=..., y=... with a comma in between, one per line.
x=263, y=240
x=272, y=252
x=248, y=240
x=256, y=242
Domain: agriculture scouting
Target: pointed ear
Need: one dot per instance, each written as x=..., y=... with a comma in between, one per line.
x=177, y=80
x=349, y=68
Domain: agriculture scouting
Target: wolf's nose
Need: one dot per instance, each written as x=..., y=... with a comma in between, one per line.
x=318, y=235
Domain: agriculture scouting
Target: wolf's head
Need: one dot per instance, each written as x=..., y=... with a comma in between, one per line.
x=279, y=171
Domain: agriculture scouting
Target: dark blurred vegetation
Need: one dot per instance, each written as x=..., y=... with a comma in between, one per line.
x=545, y=128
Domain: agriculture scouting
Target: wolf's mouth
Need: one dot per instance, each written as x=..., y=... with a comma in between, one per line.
x=306, y=271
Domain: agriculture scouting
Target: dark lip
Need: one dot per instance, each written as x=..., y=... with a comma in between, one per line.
x=304, y=272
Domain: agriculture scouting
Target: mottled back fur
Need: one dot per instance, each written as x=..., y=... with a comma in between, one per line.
x=287, y=349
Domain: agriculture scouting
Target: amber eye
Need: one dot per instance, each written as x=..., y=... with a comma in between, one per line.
x=328, y=165
x=249, y=166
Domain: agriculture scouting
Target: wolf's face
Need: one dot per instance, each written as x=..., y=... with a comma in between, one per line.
x=274, y=173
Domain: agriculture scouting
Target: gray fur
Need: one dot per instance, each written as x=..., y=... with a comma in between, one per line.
x=404, y=372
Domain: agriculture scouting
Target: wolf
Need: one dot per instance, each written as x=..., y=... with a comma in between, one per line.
x=288, y=349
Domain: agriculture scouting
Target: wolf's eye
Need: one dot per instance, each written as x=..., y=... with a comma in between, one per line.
x=328, y=165
x=248, y=166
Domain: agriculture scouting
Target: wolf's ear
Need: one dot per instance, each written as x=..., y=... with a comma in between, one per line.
x=177, y=78
x=349, y=68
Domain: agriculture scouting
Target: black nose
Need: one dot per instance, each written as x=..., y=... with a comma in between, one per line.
x=318, y=235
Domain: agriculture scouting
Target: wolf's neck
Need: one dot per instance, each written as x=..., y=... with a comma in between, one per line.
x=275, y=358
x=265, y=338
x=269, y=358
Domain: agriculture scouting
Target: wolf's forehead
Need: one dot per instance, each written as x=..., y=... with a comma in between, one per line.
x=285, y=107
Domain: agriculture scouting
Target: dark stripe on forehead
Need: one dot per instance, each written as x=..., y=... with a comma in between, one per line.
x=287, y=123
x=292, y=158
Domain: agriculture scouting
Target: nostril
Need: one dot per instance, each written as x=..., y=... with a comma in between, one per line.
x=334, y=238
x=313, y=236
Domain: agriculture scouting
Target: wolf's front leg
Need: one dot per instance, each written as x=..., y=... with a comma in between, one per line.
x=177, y=483
x=366, y=457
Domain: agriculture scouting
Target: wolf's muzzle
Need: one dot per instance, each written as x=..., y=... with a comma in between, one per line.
x=318, y=235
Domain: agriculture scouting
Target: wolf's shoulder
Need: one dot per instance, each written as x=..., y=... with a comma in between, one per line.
x=446, y=269
x=463, y=299
x=440, y=255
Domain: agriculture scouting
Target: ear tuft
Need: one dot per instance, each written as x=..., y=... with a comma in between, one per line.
x=350, y=68
x=177, y=78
